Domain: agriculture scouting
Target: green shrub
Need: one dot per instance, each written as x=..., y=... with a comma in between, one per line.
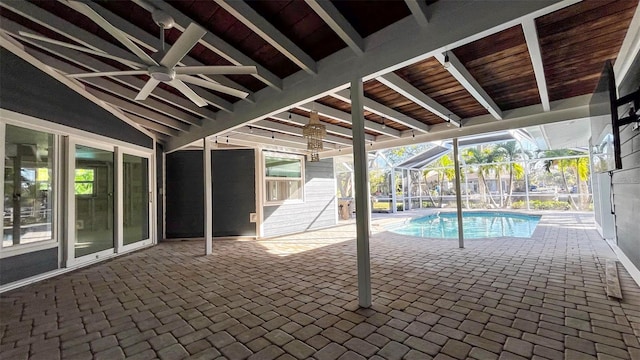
x=542, y=205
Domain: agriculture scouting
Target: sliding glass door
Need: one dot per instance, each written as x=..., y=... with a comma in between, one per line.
x=93, y=200
x=70, y=198
x=136, y=209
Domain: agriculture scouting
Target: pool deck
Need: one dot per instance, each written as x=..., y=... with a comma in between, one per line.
x=295, y=297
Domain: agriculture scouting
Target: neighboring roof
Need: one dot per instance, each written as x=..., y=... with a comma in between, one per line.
x=514, y=66
x=421, y=160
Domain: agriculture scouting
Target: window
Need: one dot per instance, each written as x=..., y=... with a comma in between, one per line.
x=84, y=181
x=28, y=186
x=283, y=178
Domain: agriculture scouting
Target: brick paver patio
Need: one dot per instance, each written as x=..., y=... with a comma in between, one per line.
x=295, y=298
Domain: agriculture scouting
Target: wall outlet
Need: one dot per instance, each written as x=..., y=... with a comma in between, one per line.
x=253, y=217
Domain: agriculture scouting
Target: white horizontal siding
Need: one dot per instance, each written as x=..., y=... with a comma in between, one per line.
x=318, y=209
x=626, y=195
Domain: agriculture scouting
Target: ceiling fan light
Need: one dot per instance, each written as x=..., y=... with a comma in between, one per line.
x=162, y=19
x=162, y=73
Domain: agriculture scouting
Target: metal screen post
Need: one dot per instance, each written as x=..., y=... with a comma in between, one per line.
x=456, y=164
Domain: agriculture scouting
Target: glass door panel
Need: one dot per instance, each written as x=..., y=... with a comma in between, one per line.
x=135, y=207
x=28, y=186
x=94, y=200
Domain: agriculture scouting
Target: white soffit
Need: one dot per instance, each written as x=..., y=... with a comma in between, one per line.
x=568, y=134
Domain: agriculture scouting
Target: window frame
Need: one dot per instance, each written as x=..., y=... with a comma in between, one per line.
x=54, y=241
x=301, y=179
x=92, y=182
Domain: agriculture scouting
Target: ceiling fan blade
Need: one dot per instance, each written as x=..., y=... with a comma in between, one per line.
x=213, y=86
x=188, y=92
x=189, y=38
x=112, y=30
x=216, y=70
x=108, y=73
x=80, y=48
x=147, y=89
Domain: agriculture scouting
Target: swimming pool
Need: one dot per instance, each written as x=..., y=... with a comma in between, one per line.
x=476, y=225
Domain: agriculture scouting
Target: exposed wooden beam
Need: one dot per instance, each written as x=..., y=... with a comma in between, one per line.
x=533, y=44
x=384, y=111
x=65, y=28
x=419, y=10
x=414, y=94
x=254, y=21
x=117, y=89
x=340, y=115
x=562, y=110
x=152, y=125
x=139, y=110
x=337, y=22
x=130, y=81
x=387, y=50
x=295, y=131
x=91, y=62
x=331, y=128
x=152, y=104
x=18, y=49
x=217, y=44
x=242, y=138
x=458, y=71
x=267, y=137
x=160, y=137
x=151, y=42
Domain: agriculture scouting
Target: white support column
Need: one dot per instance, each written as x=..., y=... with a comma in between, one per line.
x=526, y=174
x=456, y=164
x=361, y=193
x=404, y=190
x=208, y=199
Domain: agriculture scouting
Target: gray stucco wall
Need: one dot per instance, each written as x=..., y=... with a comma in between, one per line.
x=626, y=182
x=318, y=209
x=20, y=267
x=29, y=91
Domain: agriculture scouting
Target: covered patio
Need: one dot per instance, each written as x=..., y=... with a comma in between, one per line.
x=129, y=128
x=296, y=297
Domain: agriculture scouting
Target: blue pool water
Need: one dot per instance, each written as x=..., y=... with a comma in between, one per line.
x=476, y=225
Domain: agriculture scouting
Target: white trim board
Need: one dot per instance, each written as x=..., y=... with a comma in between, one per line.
x=626, y=262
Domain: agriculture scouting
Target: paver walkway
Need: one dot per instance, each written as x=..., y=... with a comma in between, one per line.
x=295, y=297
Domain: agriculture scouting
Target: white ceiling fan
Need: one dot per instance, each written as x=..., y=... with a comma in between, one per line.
x=161, y=67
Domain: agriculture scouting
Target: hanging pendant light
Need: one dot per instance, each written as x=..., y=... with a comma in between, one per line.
x=314, y=131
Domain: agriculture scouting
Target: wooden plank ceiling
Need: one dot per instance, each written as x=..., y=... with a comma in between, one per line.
x=289, y=39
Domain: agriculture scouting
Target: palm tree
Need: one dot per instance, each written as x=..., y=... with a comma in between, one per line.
x=480, y=160
x=443, y=168
x=578, y=166
x=512, y=153
x=495, y=156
